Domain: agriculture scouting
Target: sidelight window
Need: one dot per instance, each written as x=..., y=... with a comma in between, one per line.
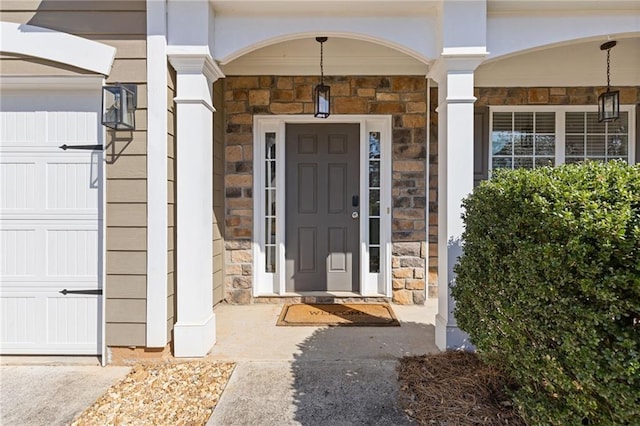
x=270, y=202
x=374, y=201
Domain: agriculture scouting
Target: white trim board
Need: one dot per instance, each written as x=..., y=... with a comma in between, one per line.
x=157, y=198
x=273, y=284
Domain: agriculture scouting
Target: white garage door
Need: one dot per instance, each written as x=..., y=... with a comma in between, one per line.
x=50, y=230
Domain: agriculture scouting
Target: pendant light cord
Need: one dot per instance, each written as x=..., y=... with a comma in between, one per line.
x=608, y=68
x=321, y=63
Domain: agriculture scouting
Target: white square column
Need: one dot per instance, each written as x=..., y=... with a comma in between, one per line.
x=194, y=331
x=454, y=74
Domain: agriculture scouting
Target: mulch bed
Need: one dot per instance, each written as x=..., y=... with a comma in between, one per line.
x=454, y=388
x=167, y=393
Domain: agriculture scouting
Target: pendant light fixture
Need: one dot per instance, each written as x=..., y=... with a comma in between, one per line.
x=609, y=101
x=321, y=97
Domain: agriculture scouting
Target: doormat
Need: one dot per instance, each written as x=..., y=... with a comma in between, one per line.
x=348, y=314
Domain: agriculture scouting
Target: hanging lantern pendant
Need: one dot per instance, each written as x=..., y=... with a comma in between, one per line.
x=321, y=93
x=609, y=101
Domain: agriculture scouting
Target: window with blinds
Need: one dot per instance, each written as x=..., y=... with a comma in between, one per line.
x=546, y=137
x=523, y=140
x=588, y=139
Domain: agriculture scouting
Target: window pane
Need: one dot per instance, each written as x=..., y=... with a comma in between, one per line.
x=374, y=231
x=545, y=145
x=573, y=160
x=270, y=225
x=374, y=202
x=545, y=122
x=595, y=145
x=374, y=259
x=523, y=162
x=502, y=121
x=270, y=202
x=574, y=145
x=621, y=125
x=523, y=122
x=545, y=161
x=374, y=144
x=523, y=145
x=271, y=145
x=592, y=123
x=574, y=122
x=502, y=163
x=270, y=259
x=501, y=143
x=617, y=146
x=374, y=174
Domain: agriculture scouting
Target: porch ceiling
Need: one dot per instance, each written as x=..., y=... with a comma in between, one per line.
x=342, y=56
x=325, y=7
x=576, y=64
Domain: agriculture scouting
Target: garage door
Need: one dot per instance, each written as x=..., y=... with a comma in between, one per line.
x=50, y=229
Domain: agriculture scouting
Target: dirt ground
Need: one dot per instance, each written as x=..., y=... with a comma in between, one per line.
x=454, y=388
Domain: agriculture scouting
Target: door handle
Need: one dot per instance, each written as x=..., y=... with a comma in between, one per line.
x=355, y=215
x=93, y=291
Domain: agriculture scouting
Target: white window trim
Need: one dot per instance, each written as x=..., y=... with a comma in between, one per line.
x=273, y=284
x=561, y=111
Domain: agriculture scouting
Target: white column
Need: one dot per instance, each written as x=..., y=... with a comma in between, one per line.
x=194, y=331
x=454, y=74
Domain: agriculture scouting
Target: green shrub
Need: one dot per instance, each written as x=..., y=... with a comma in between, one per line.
x=548, y=288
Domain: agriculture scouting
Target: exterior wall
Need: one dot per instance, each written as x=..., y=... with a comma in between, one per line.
x=123, y=26
x=218, y=192
x=402, y=97
x=171, y=200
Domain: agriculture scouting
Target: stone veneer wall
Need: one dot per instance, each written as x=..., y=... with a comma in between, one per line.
x=550, y=95
x=402, y=97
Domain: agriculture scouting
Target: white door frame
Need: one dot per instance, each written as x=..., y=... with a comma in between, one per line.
x=273, y=284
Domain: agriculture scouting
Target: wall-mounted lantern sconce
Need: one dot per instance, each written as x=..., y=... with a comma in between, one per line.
x=321, y=93
x=609, y=101
x=119, y=103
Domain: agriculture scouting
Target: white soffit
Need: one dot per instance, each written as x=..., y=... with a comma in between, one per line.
x=510, y=6
x=56, y=46
x=342, y=56
x=577, y=64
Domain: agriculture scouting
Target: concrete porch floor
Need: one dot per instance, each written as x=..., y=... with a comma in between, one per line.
x=315, y=375
x=249, y=333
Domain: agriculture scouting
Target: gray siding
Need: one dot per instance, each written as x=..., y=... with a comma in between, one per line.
x=121, y=24
x=171, y=196
x=218, y=193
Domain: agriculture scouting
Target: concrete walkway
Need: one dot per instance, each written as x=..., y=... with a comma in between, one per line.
x=315, y=375
x=51, y=390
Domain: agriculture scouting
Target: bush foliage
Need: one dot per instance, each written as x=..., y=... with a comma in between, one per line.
x=548, y=288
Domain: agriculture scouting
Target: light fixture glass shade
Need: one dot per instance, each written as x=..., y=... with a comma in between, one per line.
x=609, y=106
x=118, y=107
x=321, y=99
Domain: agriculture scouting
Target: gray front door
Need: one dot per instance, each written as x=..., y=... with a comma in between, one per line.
x=322, y=193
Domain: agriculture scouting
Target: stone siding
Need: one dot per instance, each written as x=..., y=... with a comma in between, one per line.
x=550, y=95
x=402, y=97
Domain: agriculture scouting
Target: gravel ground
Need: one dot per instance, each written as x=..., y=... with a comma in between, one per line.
x=172, y=393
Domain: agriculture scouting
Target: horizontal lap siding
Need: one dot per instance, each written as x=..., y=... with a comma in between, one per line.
x=171, y=206
x=121, y=24
x=218, y=193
